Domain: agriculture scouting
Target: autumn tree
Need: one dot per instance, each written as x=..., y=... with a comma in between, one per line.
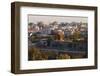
x=63, y=56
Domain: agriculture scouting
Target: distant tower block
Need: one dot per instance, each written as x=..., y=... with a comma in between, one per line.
x=60, y=35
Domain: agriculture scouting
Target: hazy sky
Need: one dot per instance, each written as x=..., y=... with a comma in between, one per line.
x=48, y=19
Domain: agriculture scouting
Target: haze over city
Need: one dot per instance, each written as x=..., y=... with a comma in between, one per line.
x=48, y=19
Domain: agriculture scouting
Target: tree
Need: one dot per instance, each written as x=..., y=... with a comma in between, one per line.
x=34, y=54
x=40, y=24
x=49, y=41
x=76, y=35
x=62, y=24
x=59, y=35
x=30, y=24
x=63, y=56
x=54, y=23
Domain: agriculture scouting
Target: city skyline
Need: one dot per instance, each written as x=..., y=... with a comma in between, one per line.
x=57, y=37
x=50, y=18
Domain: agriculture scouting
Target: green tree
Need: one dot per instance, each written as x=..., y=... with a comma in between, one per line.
x=76, y=35
x=30, y=24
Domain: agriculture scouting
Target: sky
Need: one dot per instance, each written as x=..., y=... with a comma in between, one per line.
x=49, y=19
